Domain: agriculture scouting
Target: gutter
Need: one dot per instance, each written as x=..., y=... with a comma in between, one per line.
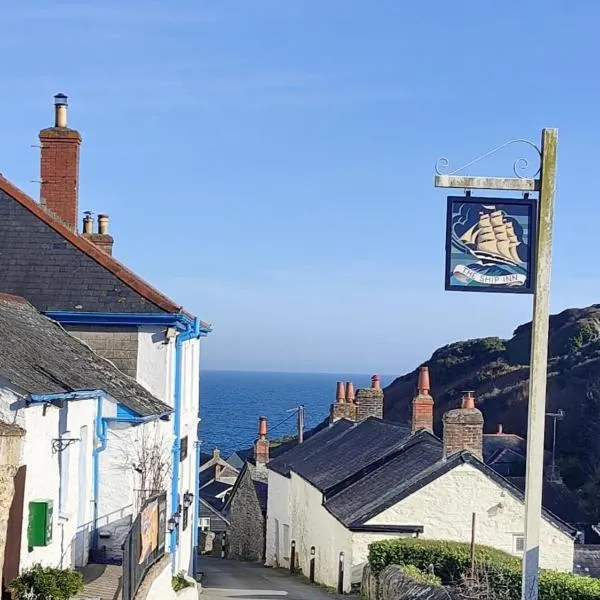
x=180, y=321
x=193, y=332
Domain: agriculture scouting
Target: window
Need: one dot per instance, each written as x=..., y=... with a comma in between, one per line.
x=186, y=516
x=183, y=448
x=518, y=544
x=204, y=523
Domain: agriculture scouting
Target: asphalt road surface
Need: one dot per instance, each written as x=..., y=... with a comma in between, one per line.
x=233, y=579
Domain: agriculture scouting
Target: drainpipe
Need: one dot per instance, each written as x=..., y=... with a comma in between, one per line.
x=196, y=495
x=102, y=438
x=190, y=333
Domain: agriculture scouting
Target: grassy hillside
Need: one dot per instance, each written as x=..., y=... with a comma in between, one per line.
x=498, y=371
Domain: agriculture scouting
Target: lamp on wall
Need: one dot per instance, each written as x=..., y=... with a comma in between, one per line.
x=188, y=497
x=173, y=522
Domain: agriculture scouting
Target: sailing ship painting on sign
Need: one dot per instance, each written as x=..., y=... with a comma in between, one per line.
x=490, y=244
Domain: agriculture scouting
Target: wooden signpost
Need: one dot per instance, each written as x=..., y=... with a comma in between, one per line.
x=510, y=248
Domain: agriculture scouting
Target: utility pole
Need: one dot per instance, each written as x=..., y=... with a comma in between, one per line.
x=300, y=424
x=539, y=283
x=557, y=416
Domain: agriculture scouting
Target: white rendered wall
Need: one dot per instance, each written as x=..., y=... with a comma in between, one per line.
x=313, y=525
x=278, y=508
x=154, y=363
x=71, y=526
x=444, y=508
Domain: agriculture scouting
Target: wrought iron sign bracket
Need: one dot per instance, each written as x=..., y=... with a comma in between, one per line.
x=60, y=444
x=519, y=183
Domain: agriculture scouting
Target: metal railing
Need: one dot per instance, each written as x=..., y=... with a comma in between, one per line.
x=144, y=544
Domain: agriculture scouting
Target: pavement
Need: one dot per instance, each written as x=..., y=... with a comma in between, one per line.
x=233, y=579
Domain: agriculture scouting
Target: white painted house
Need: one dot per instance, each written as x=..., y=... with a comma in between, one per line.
x=68, y=400
x=71, y=276
x=357, y=482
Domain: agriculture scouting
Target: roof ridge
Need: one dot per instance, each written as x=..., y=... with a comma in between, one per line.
x=111, y=264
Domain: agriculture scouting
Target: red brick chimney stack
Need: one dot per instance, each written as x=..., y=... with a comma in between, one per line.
x=463, y=428
x=59, y=167
x=261, y=446
x=422, y=406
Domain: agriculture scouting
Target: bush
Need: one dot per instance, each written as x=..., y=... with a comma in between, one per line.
x=418, y=575
x=452, y=563
x=179, y=582
x=42, y=583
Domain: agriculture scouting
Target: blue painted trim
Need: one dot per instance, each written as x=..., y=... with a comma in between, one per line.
x=102, y=437
x=180, y=321
x=125, y=413
x=80, y=395
x=191, y=333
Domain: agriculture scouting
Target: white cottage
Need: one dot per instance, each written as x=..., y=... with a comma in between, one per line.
x=354, y=483
x=67, y=399
x=69, y=273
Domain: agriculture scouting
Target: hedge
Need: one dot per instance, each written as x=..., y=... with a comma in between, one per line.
x=452, y=560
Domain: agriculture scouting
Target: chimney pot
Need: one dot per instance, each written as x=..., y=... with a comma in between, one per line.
x=349, y=392
x=262, y=427
x=340, y=393
x=468, y=400
x=375, y=382
x=216, y=453
x=60, y=110
x=423, y=383
x=103, y=224
x=88, y=223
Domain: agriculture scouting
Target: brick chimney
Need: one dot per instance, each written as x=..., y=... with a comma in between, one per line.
x=344, y=407
x=422, y=406
x=102, y=239
x=369, y=401
x=463, y=428
x=59, y=186
x=261, y=445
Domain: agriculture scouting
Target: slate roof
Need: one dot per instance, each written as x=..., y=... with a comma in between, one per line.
x=494, y=443
x=40, y=357
x=57, y=269
x=355, y=503
x=215, y=488
x=341, y=450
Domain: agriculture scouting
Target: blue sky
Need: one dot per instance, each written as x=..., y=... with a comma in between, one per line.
x=269, y=163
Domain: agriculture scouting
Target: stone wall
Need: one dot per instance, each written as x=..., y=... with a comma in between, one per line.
x=117, y=344
x=246, y=537
x=10, y=454
x=392, y=584
x=369, y=403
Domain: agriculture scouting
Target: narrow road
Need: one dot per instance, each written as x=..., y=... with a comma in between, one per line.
x=232, y=579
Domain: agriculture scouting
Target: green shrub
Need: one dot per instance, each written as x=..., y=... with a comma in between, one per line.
x=179, y=582
x=452, y=562
x=42, y=583
x=418, y=575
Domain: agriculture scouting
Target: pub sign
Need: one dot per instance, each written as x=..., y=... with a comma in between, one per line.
x=490, y=244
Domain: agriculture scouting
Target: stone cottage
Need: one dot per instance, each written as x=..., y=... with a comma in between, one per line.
x=246, y=507
x=73, y=277
x=357, y=482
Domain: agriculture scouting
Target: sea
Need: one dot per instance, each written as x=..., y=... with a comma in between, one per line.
x=232, y=401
